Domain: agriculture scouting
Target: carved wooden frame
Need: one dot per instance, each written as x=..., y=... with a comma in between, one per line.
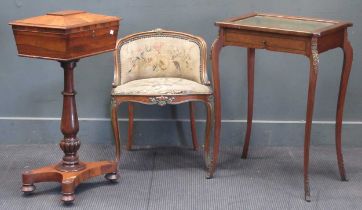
x=160, y=32
x=167, y=99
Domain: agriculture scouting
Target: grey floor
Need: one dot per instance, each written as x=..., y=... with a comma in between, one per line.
x=174, y=178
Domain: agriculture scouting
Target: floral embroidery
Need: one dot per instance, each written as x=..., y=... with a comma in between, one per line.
x=160, y=56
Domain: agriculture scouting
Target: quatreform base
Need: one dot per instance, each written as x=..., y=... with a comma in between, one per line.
x=68, y=179
x=70, y=172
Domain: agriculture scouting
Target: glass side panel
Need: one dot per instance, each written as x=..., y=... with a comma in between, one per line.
x=283, y=23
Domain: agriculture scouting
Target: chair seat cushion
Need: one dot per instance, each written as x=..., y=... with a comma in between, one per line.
x=161, y=86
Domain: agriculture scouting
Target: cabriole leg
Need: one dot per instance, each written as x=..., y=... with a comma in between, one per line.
x=251, y=62
x=347, y=65
x=314, y=61
x=215, y=54
x=207, y=155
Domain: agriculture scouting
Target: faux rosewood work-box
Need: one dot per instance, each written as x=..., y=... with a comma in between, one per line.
x=65, y=35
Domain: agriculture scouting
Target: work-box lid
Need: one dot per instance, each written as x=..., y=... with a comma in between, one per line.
x=64, y=20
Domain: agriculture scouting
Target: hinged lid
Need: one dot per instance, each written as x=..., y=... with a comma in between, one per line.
x=68, y=19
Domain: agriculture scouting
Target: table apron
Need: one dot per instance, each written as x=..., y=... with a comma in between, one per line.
x=269, y=41
x=281, y=42
x=331, y=41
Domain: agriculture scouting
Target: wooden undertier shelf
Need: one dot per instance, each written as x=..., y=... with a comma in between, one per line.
x=65, y=35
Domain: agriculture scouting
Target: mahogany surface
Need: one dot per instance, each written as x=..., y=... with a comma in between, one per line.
x=66, y=36
x=69, y=179
x=290, y=35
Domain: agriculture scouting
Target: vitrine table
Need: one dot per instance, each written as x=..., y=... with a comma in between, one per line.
x=297, y=35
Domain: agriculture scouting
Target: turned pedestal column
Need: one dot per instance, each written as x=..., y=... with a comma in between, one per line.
x=70, y=172
x=69, y=124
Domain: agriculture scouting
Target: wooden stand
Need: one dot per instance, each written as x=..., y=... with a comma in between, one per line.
x=70, y=172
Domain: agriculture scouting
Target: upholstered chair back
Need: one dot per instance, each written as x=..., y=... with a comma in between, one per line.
x=160, y=53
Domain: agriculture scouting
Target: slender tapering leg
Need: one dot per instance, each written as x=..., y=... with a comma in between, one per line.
x=115, y=127
x=215, y=52
x=193, y=126
x=347, y=65
x=251, y=62
x=113, y=177
x=313, y=74
x=130, y=125
x=210, y=163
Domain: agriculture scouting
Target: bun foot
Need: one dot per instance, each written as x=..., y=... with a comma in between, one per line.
x=112, y=177
x=68, y=198
x=27, y=188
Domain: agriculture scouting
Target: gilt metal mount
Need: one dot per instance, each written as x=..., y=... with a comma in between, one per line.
x=161, y=100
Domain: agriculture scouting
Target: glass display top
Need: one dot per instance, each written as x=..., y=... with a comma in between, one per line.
x=283, y=23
